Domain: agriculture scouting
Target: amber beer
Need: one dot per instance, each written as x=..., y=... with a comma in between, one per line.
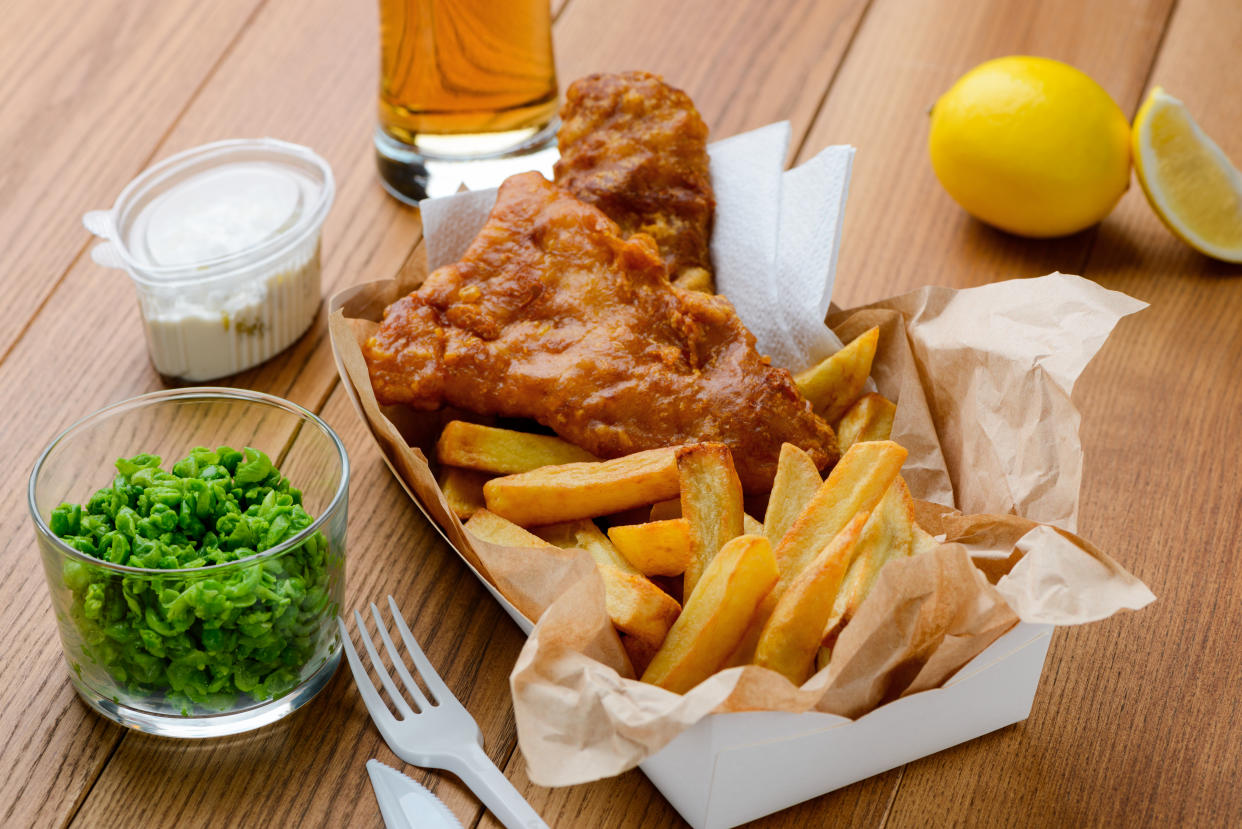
x=465, y=77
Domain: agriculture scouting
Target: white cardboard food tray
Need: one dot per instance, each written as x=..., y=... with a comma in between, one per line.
x=732, y=768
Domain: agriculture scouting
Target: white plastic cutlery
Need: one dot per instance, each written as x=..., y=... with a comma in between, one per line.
x=432, y=730
x=406, y=803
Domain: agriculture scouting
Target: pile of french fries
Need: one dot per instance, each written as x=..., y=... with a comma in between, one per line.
x=694, y=584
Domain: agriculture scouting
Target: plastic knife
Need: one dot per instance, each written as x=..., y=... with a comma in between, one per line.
x=405, y=803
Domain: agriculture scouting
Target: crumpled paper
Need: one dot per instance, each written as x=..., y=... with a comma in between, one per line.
x=982, y=378
x=929, y=615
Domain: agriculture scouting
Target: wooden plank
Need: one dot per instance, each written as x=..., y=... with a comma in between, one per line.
x=744, y=64
x=87, y=91
x=1138, y=718
x=377, y=234
x=90, y=323
x=329, y=105
x=901, y=229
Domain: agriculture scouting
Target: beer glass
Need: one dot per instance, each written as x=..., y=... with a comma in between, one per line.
x=468, y=93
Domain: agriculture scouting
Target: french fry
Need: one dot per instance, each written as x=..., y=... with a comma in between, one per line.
x=923, y=541
x=711, y=501
x=856, y=484
x=888, y=534
x=716, y=615
x=635, y=605
x=870, y=418
x=463, y=489
x=793, y=633
x=657, y=548
x=670, y=585
x=585, y=535
x=503, y=451
x=584, y=490
x=672, y=509
x=795, y=484
x=491, y=527
x=664, y=510
x=638, y=607
x=834, y=384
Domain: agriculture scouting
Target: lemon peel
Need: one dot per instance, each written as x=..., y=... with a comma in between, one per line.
x=1189, y=181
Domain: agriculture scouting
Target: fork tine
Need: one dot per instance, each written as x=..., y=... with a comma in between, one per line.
x=398, y=662
x=403, y=707
x=379, y=712
x=434, y=683
x=380, y=715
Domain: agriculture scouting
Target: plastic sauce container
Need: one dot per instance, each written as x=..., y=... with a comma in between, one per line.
x=222, y=243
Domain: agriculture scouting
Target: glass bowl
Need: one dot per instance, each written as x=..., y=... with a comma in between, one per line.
x=204, y=651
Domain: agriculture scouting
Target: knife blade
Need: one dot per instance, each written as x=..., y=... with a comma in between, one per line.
x=407, y=804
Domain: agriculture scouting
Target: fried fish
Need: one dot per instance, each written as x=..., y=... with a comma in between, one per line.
x=636, y=148
x=554, y=315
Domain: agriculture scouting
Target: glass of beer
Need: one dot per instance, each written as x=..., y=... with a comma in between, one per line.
x=468, y=93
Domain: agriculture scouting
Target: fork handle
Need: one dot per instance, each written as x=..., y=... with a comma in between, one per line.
x=508, y=806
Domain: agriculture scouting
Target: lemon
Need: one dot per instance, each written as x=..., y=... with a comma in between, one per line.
x=1031, y=145
x=1188, y=180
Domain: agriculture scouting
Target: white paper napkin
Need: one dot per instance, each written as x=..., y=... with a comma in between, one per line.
x=812, y=210
x=450, y=224
x=774, y=242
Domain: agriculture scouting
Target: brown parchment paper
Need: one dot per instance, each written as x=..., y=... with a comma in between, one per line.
x=982, y=378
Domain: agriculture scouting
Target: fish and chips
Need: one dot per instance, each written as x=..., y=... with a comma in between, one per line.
x=573, y=308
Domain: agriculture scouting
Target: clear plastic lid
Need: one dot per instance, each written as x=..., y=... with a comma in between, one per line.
x=213, y=212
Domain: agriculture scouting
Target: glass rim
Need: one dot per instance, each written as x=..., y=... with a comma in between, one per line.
x=193, y=393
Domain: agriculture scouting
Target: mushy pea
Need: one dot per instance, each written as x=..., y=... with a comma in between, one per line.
x=199, y=638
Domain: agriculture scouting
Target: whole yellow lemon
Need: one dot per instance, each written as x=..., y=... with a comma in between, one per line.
x=1031, y=145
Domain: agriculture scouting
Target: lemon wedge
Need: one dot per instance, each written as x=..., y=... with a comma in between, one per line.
x=1191, y=184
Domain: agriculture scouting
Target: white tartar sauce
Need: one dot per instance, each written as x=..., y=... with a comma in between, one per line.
x=223, y=246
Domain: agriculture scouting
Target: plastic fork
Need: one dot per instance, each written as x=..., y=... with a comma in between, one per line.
x=435, y=731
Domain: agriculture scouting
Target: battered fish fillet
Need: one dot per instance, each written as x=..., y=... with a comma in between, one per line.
x=552, y=315
x=636, y=148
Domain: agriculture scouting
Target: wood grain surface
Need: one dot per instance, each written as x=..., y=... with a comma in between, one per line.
x=1137, y=719
x=902, y=230
x=88, y=90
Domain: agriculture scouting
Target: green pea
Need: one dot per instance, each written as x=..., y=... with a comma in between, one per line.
x=198, y=641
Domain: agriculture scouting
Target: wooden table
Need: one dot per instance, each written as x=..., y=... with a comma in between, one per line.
x=1137, y=720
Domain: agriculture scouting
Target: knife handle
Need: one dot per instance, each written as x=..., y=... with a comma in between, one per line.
x=490, y=785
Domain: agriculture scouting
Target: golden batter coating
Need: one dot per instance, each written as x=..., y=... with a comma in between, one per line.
x=636, y=148
x=553, y=315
